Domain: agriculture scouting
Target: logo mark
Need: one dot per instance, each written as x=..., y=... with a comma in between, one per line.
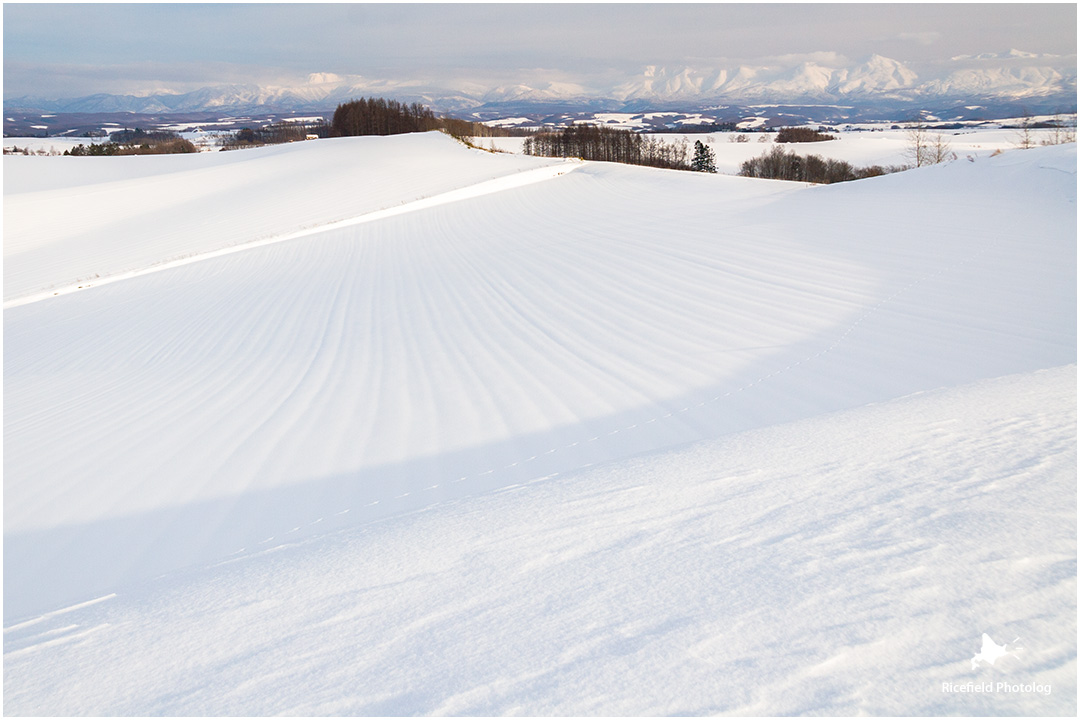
x=990, y=652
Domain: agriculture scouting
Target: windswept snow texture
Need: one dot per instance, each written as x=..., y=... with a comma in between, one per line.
x=841, y=565
x=343, y=467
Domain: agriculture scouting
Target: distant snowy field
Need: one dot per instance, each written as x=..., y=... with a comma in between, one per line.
x=861, y=148
x=55, y=145
x=390, y=426
x=873, y=145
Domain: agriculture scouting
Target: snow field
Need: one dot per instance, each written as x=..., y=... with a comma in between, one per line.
x=51, y=145
x=422, y=388
x=842, y=565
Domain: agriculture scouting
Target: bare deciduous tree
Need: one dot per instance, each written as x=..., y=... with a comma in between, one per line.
x=1063, y=131
x=592, y=142
x=938, y=150
x=917, y=143
x=1025, y=138
x=925, y=148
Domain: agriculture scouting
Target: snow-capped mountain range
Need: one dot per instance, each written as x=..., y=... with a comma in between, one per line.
x=821, y=78
x=807, y=80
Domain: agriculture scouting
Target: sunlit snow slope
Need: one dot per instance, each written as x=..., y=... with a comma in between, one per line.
x=519, y=323
x=75, y=221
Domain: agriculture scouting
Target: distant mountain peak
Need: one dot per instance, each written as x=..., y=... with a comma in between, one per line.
x=819, y=77
x=1007, y=55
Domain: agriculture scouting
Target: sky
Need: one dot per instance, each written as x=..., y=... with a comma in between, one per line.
x=58, y=50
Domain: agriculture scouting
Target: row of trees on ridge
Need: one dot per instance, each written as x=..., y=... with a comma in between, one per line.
x=275, y=134
x=592, y=142
x=801, y=134
x=378, y=116
x=137, y=142
x=780, y=164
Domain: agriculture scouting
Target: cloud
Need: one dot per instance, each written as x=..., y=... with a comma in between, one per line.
x=55, y=80
x=74, y=50
x=827, y=58
x=323, y=78
x=927, y=37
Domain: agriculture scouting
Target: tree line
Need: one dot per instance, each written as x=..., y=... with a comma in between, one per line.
x=137, y=142
x=274, y=134
x=379, y=116
x=801, y=135
x=780, y=164
x=138, y=136
x=592, y=142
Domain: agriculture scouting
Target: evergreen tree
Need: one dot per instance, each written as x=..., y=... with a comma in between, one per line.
x=704, y=159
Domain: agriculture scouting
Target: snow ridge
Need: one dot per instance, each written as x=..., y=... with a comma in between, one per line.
x=523, y=177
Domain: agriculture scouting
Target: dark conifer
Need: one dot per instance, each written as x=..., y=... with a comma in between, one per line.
x=704, y=159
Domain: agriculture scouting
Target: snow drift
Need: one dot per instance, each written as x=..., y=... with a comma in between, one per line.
x=424, y=390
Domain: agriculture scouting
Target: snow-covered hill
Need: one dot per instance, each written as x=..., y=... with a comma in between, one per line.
x=493, y=434
x=124, y=216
